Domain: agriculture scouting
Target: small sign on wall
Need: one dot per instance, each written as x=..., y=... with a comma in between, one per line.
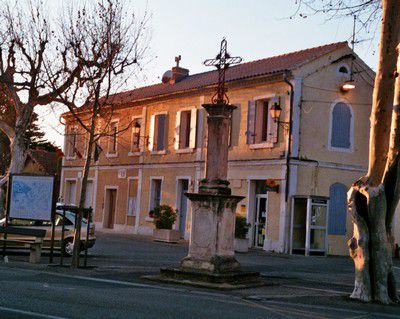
x=122, y=173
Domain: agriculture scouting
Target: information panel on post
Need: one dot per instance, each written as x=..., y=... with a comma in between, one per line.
x=31, y=197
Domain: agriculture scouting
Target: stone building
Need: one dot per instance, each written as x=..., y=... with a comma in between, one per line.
x=294, y=176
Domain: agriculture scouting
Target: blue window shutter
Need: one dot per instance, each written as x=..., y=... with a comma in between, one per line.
x=337, y=209
x=341, y=123
x=251, y=123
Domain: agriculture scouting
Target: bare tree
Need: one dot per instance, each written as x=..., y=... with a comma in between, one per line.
x=111, y=45
x=25, y=45
x=373, y=198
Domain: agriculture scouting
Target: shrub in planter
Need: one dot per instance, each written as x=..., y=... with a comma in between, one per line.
x=241, y=229
x=164, y=218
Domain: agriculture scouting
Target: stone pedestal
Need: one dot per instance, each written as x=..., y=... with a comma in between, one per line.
x=211, y=247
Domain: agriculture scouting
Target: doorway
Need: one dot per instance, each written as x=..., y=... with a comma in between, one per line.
x=70, y=193
x=309, y=225
x=260, y=221
x=182, y=201
x=110, y=208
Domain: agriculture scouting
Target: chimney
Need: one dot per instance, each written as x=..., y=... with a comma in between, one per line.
x=178, y=73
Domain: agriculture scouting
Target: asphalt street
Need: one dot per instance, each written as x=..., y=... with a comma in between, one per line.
x=297, y=287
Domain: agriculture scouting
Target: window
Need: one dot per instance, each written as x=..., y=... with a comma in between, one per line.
x=341, y=126
x=261, y=120
x=132, y=197
x=70, y=192
x=337, y=209
x=155, y=193
x=343, y=69
x=136, y=130
x=234, y=126
x=112, y=141
x=185, y=129
x=184, y=132
x=72, y=142
x=158, y=132
x=261, y=128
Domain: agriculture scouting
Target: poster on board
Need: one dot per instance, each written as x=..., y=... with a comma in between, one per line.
x=31, y=197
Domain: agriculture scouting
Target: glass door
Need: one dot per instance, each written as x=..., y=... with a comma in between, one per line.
x=260, y=227
x=309, y=226
x=317, y=236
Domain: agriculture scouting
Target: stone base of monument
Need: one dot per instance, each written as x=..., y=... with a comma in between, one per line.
x=221, y=281
x=211, y=261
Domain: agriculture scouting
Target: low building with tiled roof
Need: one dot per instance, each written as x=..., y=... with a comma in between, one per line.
x=313, y=152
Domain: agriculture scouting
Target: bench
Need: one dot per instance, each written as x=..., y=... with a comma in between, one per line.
x=34, y=245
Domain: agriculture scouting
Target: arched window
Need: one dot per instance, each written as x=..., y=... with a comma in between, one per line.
x=341, y=126
x=337, y=209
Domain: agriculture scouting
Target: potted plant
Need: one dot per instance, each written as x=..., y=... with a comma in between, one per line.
x=241, y=230
x=164, y=218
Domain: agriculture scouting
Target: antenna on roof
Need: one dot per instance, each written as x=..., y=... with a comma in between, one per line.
x=352, y=49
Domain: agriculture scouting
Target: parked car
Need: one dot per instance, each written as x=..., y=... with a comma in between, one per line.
x=66, y=246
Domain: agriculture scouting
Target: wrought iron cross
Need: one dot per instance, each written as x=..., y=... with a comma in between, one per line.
x=222, y=62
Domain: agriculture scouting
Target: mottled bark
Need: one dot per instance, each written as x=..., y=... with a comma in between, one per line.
x=373, y=199
x=78, y=226
x=382, y=100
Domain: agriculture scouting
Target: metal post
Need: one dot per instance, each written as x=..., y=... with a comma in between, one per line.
x=7, y=214
x=89, y=214
x=79, y=250
x=62, y=237
x=52, y=236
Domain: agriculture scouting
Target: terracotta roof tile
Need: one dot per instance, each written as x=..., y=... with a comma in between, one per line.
x=271, y=65
x=256, y=68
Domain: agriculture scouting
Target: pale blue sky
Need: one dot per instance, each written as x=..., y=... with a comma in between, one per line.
x=254, y=29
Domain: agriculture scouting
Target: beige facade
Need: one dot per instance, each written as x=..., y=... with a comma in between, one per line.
x=139, y=169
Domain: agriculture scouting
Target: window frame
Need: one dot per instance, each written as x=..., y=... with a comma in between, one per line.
x=268, y=143
x=351, y=137
x=192, y=143
x=153, y=138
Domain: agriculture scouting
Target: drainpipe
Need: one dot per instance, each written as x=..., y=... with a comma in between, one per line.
x=289, y=146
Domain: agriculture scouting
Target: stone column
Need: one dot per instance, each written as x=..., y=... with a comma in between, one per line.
x=218, y=122
x=211, y=246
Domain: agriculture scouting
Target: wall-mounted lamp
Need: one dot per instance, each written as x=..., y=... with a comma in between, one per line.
x=276, y=112
x=348, y=86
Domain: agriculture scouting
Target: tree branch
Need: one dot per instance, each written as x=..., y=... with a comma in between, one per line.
x=7, y=129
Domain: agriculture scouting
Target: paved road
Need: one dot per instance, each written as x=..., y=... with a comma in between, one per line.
x=298, y=287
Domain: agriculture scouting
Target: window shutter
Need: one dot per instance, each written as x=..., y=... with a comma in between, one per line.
x=273, y=126
x=177, y=130
x=337, y=209
x=341, y=124
x=251, y=116
x=192, y=135
x=151, y=133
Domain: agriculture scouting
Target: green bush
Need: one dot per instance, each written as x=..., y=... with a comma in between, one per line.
x=164, y=216
x=241, y=227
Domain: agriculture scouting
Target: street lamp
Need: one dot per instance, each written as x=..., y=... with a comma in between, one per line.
x=276, y=112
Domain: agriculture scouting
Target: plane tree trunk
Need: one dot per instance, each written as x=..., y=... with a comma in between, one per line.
x=82, y=200
x=373, y=199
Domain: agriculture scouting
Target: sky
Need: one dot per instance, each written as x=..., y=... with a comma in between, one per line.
x=254, y=29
